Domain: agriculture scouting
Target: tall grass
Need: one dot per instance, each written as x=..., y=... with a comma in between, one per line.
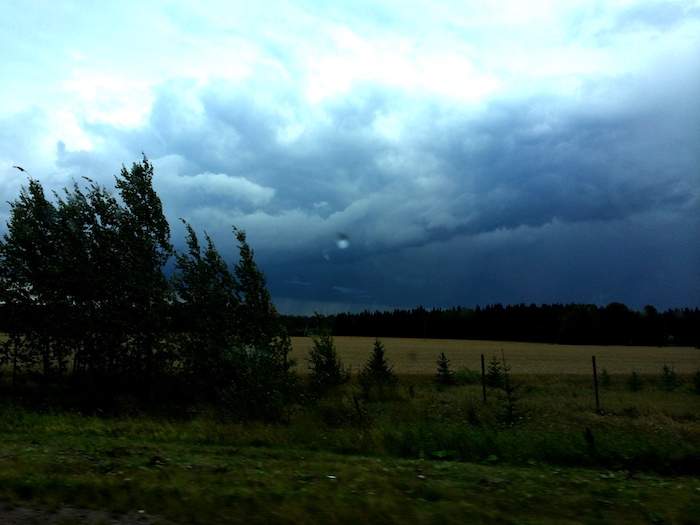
x=346, y=459
x=653, y=429
x=423, y=454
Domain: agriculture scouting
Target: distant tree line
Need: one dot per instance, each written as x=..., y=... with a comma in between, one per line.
x=85, y=304
x=614, y=324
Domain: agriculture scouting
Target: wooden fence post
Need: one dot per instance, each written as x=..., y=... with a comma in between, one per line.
x=595, y=384
x=483, y=377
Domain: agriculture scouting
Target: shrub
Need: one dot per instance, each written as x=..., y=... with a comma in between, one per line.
x=466, y=376
x=341, y=411
x=377, y=379
x=259, y=385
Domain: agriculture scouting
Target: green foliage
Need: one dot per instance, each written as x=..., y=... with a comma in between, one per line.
x=209, y=470
x=444, y=447
x=109, y=294
x=669, y=380
x=495, y=377
x=554, y=323
x=68, y=284
x=444, y=377
x=580, y=324
x=512, y=410
x=205, y=312
x=144, y=235
x=82, y=279
x=327, y=370
x=377, y=379
x=256, y=385
x=258, y=323
x=268, y=383
x=232, y=346
x=424, y=440
x=635, y=383
x=605, y=379
x=32, y=284
x=342, y=411
x=696, y=382
x=466, y=376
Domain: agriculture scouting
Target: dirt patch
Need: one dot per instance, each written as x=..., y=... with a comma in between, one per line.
x=25, y=514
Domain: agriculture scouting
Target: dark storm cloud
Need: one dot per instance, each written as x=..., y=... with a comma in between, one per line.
x=468, y=154
x=520, y=166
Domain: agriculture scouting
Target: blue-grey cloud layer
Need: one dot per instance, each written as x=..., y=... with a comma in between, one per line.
x=577, y=183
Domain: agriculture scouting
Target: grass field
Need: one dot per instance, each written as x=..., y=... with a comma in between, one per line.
x=423, y=455
x=210, y=471
x=418, y=356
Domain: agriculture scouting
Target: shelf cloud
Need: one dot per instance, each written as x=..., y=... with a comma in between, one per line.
x=381, y=154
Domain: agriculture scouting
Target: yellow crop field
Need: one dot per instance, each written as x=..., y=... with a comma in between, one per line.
x=418, y=356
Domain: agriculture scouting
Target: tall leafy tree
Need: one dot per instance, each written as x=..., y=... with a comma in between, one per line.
x=263, y=370
x=205, y=307
x=73, y=252
x=258, y=322
x=97, y=270
x=84, y=278
x=144, y=234
x=232, y=345
x=32, y=277
x=69, y=282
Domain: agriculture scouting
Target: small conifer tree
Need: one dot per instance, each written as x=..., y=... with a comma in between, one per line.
x=512, y=412
x=376, y=377
x=696, y=382
x=668, y=378
x=445, y=376
x=635, y=383
x=494, y=376
x=327, y=370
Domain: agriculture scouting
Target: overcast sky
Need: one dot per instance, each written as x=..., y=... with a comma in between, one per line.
x=383, y=154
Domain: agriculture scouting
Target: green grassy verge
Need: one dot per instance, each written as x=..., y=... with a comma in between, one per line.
x=425, y=456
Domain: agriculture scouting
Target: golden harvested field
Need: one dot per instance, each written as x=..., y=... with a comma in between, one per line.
x=418, y=356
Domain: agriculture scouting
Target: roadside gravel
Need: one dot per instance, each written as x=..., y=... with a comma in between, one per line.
x=25, y=514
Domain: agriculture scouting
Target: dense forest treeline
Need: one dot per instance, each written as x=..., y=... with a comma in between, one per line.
x=614, y=324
